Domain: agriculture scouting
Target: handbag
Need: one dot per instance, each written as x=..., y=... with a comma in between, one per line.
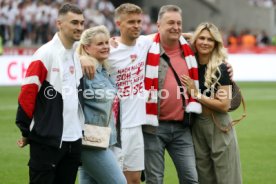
x=95, y=136
x=236, y=97
x=236, y=101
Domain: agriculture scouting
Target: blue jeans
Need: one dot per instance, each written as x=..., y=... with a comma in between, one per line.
x=177, y=140
x=100, y=167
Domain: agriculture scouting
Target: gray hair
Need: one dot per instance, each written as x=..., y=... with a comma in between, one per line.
x=168, y=8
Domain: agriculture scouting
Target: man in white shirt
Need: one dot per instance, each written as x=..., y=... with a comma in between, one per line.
x=127, y=63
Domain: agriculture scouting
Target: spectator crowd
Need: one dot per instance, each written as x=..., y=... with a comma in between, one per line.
x=247, y=39
x=32, y=22
x=263, y=3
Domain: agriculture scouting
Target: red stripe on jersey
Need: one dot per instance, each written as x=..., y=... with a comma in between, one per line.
x=27, y=98
x=37, y=68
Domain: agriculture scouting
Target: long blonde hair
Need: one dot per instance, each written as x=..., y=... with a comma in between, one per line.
x=87, y=38
x=218, y=55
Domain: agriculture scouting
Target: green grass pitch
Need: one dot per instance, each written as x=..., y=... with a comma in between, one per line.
x=256, y=135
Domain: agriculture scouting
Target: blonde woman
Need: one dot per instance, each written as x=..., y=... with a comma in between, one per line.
x=217, y=153
x=99, y=166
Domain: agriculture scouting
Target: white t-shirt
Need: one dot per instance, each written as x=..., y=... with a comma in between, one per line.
x=71, y=122
x=128, y=71
x=29, y=12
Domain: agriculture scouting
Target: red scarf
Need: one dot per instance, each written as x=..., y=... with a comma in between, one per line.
x=151, y=79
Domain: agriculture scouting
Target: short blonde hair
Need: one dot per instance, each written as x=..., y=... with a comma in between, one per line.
x=88, y=37
x=127, y=8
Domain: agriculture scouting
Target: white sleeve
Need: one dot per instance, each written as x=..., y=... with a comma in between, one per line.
x=146, y=41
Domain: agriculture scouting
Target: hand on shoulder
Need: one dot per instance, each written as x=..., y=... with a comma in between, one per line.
x=88, y=65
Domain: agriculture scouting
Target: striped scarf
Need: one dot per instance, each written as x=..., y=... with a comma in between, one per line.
x=151, y=79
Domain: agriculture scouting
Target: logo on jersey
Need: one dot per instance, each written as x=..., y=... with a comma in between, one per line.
x=55, y=69
x=133, y=57
x=72, y=69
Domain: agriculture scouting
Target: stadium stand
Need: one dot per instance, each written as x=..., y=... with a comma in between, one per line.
x=30, y=23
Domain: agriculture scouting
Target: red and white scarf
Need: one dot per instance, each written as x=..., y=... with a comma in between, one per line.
x=151, y=79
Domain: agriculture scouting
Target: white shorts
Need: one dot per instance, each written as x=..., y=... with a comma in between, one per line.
x=131, y=156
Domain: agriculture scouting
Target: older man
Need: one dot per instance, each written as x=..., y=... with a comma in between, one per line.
x=169, y=57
